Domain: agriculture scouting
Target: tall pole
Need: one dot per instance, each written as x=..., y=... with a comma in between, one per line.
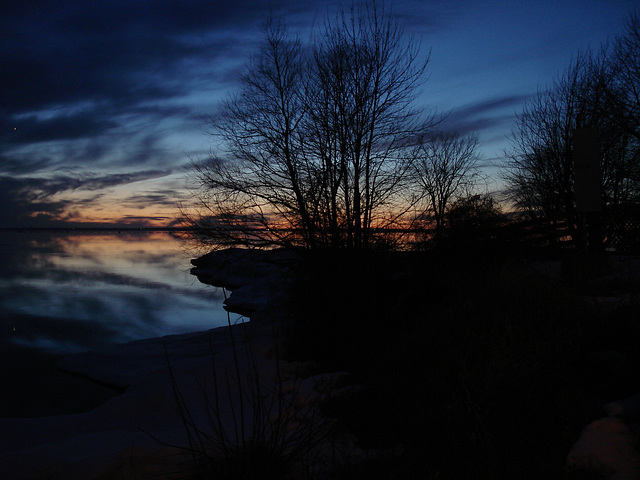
x=588, y=188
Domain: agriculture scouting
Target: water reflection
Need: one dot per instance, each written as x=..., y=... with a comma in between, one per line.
x=68, y=292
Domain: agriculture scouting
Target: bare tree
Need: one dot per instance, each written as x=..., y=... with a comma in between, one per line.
x=255, y=193
x=315, y=144
x=446, y=167
x=365, y=78
x=624, y=74
x=540, y=167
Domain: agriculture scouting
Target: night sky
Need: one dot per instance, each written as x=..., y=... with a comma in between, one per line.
x=102, y=104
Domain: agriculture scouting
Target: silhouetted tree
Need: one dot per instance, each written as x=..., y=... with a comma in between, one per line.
x=539, y=166
x=474, y=211
x=263, y=181
x=624, y=73
x=316, y=143
x=539, y=170
x=446, y=167
x=363, y=84
x=472, y=224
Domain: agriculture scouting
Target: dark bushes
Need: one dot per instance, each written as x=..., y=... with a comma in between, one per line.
x=471, y=367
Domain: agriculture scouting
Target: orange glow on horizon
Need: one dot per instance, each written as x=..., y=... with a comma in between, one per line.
x=110, y=212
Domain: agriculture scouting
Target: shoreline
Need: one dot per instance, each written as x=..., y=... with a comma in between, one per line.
x=129, y=433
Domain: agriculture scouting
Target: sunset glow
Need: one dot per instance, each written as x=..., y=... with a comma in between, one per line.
x=102, y=117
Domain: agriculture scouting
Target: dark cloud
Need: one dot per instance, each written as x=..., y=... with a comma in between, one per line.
x=31, y=129
x=88, y=181
x=157, y=199
x=428, y=17
x=491, y=105
x=121, y=149
x=116, y=51
x=23, y=204
x=485, y=115
x=81, y=51
x=23, y=166
x=106, y=84
x=138, y=220
x=123, y=52
x=96, y=182
x=91, y=71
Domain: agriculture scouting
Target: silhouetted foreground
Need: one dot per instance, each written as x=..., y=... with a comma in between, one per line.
x=448, y=366
x=472, y=365
x=467, y=362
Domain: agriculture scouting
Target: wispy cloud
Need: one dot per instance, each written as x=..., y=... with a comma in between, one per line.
x=484, y=115
x=119, y=53
x=90, y=181
x=23, y=204
x=32, y=129
x=167, y=199
x=34, y=201
x=121, y=86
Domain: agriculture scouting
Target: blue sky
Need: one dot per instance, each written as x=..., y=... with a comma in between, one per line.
x=102, y=103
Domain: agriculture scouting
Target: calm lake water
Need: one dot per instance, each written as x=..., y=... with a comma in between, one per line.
x=66, y=292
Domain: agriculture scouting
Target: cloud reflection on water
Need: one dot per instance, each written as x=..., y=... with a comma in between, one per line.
x=68, y=292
